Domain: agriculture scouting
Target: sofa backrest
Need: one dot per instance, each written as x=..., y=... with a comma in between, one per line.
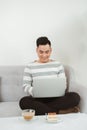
x=11, y=78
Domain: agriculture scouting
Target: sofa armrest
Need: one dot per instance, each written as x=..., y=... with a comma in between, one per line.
x=82, y=91
x=72, y=85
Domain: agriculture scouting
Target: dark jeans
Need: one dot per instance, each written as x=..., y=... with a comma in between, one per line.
x=45, y=105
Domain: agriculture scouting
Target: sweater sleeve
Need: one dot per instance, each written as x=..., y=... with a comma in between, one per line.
x=27, y=80
x=61, y=71
x=61, y=74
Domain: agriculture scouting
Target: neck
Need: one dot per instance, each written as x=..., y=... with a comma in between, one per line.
x=44, y=62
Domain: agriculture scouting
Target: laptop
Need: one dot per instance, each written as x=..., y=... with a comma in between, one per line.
x=49, y=87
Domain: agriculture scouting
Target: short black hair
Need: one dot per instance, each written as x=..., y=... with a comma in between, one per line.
x=43, y=41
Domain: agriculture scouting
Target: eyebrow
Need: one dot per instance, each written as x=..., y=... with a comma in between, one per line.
x=44, y=51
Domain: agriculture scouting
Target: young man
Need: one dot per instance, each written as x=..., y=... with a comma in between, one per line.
x=44, y=66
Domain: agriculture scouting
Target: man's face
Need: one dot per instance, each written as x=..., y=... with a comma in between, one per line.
x=44, y=52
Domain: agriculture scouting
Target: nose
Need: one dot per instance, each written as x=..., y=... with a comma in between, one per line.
x=44, y=55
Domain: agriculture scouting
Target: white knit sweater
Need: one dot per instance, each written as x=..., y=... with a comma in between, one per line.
x=39, y=70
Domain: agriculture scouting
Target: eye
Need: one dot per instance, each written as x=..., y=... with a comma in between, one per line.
x=47, y=52
x=41, y=52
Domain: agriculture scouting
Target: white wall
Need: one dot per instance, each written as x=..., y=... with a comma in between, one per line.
x=64, y=22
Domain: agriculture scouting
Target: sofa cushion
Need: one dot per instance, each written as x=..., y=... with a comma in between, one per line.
x=11, y=78
x=9, y=109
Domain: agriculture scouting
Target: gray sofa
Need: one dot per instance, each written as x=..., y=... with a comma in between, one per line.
x=11, y=90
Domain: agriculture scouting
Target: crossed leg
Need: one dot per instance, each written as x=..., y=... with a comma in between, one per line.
x=45, y=105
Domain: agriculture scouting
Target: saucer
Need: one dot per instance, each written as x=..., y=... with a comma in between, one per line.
x=54, y=121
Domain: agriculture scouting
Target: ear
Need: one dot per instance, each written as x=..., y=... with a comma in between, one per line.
x=50, y=49
x=36, y=49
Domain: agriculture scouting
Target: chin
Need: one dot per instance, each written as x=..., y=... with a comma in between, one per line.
x=45, y=61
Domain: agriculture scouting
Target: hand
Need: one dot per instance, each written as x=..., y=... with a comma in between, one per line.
x=31, y=91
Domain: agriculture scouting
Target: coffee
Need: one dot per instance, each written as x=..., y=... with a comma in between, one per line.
x=28, y=114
